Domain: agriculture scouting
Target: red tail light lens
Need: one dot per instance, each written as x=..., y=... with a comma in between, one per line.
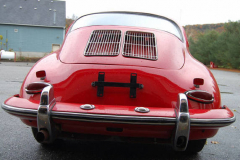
x=41, y=74
x=36, y=87
x=200, y=96
x=198, y=81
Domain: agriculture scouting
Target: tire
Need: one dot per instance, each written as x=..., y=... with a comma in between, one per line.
x=195, y=146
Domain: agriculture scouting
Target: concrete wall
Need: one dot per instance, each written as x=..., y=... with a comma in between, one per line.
x=31, y=41
x=31, y=54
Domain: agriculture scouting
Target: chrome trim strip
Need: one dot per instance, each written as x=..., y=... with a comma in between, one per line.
x=36, y=91
x=213, y=122
x=182, y=124
x=113, y=118
x=191, y=97
x=19, y=111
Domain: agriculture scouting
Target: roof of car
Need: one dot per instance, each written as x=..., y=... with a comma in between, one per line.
x=137, y=13
x=47, y=13
x=117, y=21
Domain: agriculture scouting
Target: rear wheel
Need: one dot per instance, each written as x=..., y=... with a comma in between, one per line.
x=195, y=146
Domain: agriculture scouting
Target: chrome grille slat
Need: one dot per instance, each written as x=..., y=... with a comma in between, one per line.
x=103, y=43
x=108, y=45
x=140, y=45
x=113, y=46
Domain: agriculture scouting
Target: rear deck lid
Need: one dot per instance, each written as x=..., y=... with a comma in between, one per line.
x=119, y=45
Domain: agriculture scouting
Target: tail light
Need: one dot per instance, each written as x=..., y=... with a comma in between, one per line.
x=198, y=81
x=36, y=87
x=200, y=96
x=41, y=74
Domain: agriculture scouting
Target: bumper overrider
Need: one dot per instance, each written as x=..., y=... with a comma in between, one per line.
x=183, y=120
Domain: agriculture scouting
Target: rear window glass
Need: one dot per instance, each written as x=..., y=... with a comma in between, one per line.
x=129, y=19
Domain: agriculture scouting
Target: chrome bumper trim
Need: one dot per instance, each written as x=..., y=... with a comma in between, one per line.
x=213, y=122
x=182, y=124
x=115, y=118
x=19, y=111
x=47, y=102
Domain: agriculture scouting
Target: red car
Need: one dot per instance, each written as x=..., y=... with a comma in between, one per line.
x=125, y=75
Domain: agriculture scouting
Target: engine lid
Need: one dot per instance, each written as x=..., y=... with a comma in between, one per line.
x=123, y=46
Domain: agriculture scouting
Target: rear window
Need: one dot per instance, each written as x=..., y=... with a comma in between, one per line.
x=129, y=19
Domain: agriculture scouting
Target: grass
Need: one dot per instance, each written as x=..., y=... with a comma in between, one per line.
x=27, y=59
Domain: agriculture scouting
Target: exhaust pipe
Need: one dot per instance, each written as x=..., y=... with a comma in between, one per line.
x=42, y=136
x=181, y=142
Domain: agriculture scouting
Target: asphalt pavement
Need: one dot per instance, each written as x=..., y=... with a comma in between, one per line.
x=17, y=142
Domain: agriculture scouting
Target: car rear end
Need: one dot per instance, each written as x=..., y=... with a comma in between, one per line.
x=134, y=83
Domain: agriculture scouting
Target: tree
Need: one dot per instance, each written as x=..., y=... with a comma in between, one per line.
x=1, y=38
x=74, y=17
x=68, y=23
x=204, y=47
x=222, y=48
x=233, y=43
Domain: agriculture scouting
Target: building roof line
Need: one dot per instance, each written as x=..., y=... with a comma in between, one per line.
x=15, y=24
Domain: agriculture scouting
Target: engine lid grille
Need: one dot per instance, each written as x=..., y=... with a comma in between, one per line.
x=104, y=43
x=140, y=45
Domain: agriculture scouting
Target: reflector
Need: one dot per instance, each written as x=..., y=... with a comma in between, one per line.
x=41, y=74
x=198, y=81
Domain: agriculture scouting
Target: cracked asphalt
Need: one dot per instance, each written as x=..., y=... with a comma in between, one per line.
x=17, y=142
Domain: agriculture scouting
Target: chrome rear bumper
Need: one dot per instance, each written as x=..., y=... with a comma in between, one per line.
x=118, y=118
x=182, y=122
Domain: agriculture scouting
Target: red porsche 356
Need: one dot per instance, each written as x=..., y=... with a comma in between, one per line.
x=123, y=74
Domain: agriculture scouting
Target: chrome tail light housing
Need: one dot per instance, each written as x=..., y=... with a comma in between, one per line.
x=200, y=96
x=36, y=87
